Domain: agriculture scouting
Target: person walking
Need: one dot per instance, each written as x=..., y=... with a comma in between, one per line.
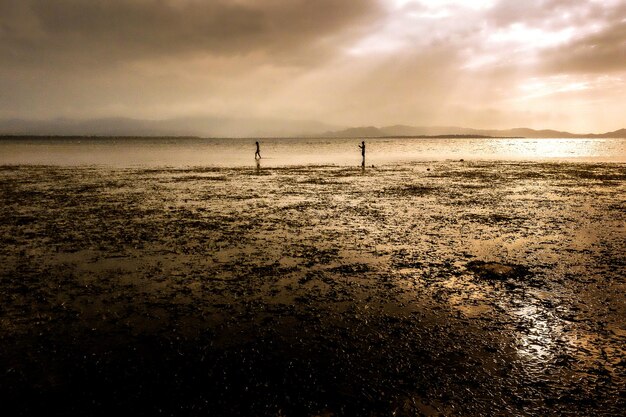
x=362, y=147
x=257, y=154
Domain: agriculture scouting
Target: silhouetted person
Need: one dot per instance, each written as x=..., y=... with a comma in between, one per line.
x=362, y=147
x=258, y=151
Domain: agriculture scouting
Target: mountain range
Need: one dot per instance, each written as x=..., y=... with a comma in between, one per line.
x=251, y=127
x=403, y=130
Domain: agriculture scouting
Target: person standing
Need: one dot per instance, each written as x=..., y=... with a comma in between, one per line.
x=257, y=154
x=362, y=147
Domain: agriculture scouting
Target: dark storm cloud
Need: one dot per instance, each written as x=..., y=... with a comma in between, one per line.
x=111, y=30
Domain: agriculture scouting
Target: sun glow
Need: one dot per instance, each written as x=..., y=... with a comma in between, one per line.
x=413, y=25
x=542, y=87
x=527, y=37
x=472, y=4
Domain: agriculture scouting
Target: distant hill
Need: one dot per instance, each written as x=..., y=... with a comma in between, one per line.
x=403, y=130
x=621, y=133
x=353, y=132
x=250, y=127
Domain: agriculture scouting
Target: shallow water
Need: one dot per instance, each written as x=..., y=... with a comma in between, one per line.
x=184, y=152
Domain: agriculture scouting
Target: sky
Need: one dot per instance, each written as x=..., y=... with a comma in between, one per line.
x=557, y=64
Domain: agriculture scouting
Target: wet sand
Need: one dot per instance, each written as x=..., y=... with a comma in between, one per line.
x=451, y=288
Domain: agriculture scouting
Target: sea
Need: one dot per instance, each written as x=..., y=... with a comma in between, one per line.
x=278, y=152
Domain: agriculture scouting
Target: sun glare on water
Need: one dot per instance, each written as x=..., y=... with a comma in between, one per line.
x=549, y=148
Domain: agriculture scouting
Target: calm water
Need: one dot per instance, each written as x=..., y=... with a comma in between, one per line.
x=281, y=152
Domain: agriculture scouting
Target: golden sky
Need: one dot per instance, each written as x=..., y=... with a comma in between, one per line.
x=477, y=63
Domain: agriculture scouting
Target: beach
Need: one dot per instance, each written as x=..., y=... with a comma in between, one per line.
x=421, y=288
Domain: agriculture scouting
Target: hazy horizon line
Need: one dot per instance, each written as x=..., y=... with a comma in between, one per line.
x=265, y=127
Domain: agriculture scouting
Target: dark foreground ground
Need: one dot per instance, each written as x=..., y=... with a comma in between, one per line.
x=468, y=289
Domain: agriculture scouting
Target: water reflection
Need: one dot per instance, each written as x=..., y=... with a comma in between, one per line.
x=549, y=148
x=288, y=152
x=539, y=333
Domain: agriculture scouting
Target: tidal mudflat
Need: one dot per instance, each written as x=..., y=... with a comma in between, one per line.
x=449, y=288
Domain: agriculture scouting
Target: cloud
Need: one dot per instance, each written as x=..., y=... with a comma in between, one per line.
x=483, y=63
x=107, y=31
x=541, y=13
x=600, y=52
x=564, y=36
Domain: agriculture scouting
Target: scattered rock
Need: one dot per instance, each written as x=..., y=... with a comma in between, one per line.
x=496, y=271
